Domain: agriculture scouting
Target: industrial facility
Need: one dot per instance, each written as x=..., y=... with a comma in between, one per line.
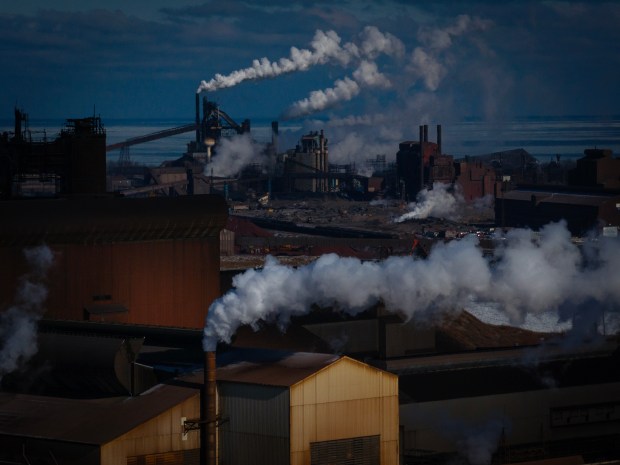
x=108, y=366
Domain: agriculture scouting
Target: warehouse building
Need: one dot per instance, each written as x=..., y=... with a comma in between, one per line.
x=306, y=408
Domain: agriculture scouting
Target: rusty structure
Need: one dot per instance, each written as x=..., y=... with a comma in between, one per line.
x=72, y=163
x=120, y=260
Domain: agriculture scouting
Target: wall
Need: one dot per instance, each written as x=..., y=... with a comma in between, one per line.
x=345, y=400
x=513, y=419
x=255, y=427
x=164, y=433
x=164, y=283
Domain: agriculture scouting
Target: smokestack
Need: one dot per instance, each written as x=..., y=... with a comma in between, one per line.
x=197, y=119
x=209, y=411
x=426, y=133
x=421, y=135
x=439, y=139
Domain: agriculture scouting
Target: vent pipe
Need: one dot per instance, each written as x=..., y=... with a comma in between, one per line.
x=209, y=412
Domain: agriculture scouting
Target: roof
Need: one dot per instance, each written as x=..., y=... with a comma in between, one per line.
x=86, y=421
x=564, y=198
x=273, y=368
x=110, y=219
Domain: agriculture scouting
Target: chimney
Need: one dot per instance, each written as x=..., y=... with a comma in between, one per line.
x=439, y=139
x=197, y=119
x=421, y=135
x=209, y=412
x=426, y=133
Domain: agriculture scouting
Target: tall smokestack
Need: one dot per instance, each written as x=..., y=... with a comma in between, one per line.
x=426, y=133
x=197, y=119
x=421, y=135
x=439, y=139
x=209, y=412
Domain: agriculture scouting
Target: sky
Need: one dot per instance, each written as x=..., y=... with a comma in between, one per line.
x=389, y=64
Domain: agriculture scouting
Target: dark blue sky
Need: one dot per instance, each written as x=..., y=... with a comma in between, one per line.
x=421, y=61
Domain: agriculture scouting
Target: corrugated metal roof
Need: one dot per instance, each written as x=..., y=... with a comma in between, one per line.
x=274, y=368
x=95, y=421
x=110, y=219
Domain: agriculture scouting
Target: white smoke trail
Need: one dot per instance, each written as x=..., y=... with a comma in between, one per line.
x=438, y=202
x=325, y=47
x=233, y=154
x=18, y=324
x=529, y=274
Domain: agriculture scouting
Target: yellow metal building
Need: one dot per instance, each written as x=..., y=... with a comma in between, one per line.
x=307, y=409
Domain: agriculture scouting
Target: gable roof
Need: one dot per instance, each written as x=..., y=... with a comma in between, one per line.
x=274, y=368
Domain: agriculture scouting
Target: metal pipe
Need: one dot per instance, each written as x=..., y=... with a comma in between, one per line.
x=209, y=409
x=439, y=139
x=421, y=135
x=426, y=133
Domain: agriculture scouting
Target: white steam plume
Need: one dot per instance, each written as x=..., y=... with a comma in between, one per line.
x=529, y=274
x=438, y=202
x=325, y=47
x=18, y=324
x=426, y=63
x=233, y=154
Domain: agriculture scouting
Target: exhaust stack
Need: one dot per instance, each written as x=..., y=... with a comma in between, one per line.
x=209, y=412
x=439, y=139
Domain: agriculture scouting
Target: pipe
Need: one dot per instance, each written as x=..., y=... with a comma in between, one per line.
x=426, y=133
x=439, y=139
x=209, y=409
x=421, y=135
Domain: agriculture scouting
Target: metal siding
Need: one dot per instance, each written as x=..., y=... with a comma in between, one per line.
x=345, y=400
x=165, y=283
x=255, y=426
x=526, y=416
x=163, y=434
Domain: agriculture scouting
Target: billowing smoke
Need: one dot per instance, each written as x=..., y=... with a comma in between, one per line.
x=530, y=273
x=233, y=154
x=366, y=75
x=324, y=48
x=426, y=62
x=439, y=202
x=18, y=324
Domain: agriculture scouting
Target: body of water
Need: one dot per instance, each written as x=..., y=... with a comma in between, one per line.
x=543, y=137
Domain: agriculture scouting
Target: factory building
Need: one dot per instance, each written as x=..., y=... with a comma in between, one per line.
x=591, y=199
x=306, y=167
x=112, y=430
x=72, y=163
x=306, y=408
x=147, y=261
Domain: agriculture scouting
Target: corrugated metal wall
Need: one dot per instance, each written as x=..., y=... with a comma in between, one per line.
x=167, y=283
x=163, y=436
x=510, y=419
x=348, y=399
x=255, y=426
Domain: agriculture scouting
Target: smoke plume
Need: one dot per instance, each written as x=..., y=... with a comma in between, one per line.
x=233, y=154
x=324, y=48
x=438, y=201
x=529, y=273
x=18, y=324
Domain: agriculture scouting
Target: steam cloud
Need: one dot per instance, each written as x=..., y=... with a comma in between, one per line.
x=325, y=48
x=18, y=324
x=530, y=273
x=233, y=154
x=438, y=201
